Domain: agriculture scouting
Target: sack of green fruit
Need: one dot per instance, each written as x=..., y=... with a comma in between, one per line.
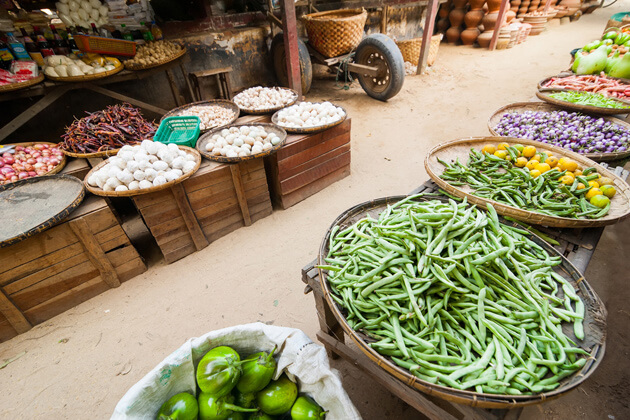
x=252, y=371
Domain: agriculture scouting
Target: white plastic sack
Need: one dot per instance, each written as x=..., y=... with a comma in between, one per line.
x=302, y=360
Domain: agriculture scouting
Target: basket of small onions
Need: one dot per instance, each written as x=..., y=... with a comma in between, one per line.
x=260, y=100
x=309, y=117
x=148, y=167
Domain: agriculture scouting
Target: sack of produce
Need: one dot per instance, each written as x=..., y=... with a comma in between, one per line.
x=298, y=359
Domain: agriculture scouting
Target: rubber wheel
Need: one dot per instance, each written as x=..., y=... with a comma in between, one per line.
x=279, y=62
x=378, y=50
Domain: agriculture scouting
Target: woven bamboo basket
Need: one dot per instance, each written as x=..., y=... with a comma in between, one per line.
x=309, y=130
x=543, y=106
x=224, y=103
x=541, y=84
x=263, y=111
x=21, y=85
x=55, y=170
x=102, y=154
x=86, y=77
x=138, y=67
x=459, y=149
x=269, y=128
x=410, y=49
x=594, y=324
x=544, y=96
x=132, y=193
x=335, y=32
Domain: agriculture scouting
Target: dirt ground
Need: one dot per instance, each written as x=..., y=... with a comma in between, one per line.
x=79, y=364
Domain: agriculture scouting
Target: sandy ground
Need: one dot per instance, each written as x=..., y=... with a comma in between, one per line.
x=79, y=364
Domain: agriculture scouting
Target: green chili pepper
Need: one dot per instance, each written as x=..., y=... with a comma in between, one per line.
x=218, y=371
x=182, y=406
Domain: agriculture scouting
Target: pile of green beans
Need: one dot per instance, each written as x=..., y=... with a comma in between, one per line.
x=588, y=98
x=457, y=298
x=498, y=179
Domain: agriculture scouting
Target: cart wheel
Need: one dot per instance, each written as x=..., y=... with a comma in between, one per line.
x=378, y=50
x=279, y=62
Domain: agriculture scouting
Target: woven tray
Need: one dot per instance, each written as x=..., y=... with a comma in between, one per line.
x=594, y=324
x=86, y=77
x=269, y=128
x=543, y=106
x=138, y=67
x=22, y=85
x=581, y=108
x=35, y=204
x=220, y=102
x=132, y=193
x=410, y=49
x=335, y=32
x=104, y=153
x=55, y=170
x=567, y=74
x=449, y=151
x=309, y=130
x=270, y=110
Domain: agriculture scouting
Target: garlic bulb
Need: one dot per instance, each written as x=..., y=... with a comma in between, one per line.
x=241, y=141
x=210, y=115
x=259, y=98
x=309, y=114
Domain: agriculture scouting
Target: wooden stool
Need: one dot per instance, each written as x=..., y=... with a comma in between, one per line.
x=223, y=82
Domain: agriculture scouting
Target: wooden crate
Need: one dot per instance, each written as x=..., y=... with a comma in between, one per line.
x=218, y=199
x=61, y=267
x=76, y=167
x=308, y=163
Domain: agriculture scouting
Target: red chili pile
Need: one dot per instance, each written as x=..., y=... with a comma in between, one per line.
x=110, y=129
x=29, y=161
x=591, y=83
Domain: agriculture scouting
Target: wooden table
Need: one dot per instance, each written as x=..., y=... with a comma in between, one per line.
x=577, y=245
x=53, y=91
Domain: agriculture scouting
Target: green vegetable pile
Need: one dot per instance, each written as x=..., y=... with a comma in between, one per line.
x=588, y=98
x=457, y=298
x=609, y=55
x=231, y=387
x=498, y=179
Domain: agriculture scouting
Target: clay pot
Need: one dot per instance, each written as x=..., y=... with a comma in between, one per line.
x=469, y=36
x=472, y=18
x=442, y=25
x=509, y=16
x=484, y=39
x=494, y=5
x=452, y=35
x=571, y=3
x=476, y=4
x=456, y=17
x=489, y=21
x=460, y=4
x=443, y=11
x=515, y=3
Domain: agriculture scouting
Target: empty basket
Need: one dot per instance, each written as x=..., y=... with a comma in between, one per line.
x=335, y=32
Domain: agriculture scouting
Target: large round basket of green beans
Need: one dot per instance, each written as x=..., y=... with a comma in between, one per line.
x=457, y=303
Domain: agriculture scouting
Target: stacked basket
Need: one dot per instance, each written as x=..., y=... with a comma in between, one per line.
x=410, y=49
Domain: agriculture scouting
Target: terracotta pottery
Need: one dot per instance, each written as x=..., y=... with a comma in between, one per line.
x=444, y=10
x=509, y=16
x=442, y=25
x=459, y=4
x=452, y=34
x=469, y=36
x=489, y=21
x=484, y=39
x=473, y=18
x=456, y=17
x=494, y=5
x=515, y=3
x=476, y=4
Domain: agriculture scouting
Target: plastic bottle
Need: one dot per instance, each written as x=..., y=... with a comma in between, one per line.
x=5, y=56
x=72, y=44
x=156, y=32
x=60, y=46
x=19, y=51
x=32, y=48
x=42, y=43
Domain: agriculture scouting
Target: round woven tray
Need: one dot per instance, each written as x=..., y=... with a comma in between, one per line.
x=55, y=170
x=224, y=103
x=22, y=85
x=273, y=109
x=581, y=108
x=306, y=130
x=449, y=151
x=541, y=88
x=269, y=128
x=131, y=193
x=521, y=107
x=32, y=205
x=594, y=325
x=104, y=153
x=134, y=67
x=86, y=77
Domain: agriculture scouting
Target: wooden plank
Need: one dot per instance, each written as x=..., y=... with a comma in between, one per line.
x=227, y=208
x=289, y=28
x=176, y=243
x=285, y=173
x=95, y=252
x=13, y=315
x=171, y=257
x=131, y=269
x=298, y=181
x=168, y=226
x=46, y=272
x=288, y=200
x=427, y=33
x=146, y=200
x=76, y=167
x=108, y=234
x=120, y=240
x=152, y=212
x=205, y=197
x=158, y=219
x=240, y=193
x=120, y=256
x=497, y=28
x=191, y=221
x=172, y=235
x=208, y=179
x=7, y=332
x=299, y=143
x=314, y=152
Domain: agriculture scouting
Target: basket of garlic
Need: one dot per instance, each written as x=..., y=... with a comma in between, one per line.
x=154, y=54
x=71, y=68
x=260, y=100
x=212, y=114
x=148, y=167
x=241, y=142
x=309, y=117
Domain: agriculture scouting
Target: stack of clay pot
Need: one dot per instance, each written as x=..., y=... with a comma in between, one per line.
x=443, y=23
x=472, y=19
x=538, y=20
x=524, y=8
x=571, y=5
x=490, y=20
x=456, y=17
x=514, y=5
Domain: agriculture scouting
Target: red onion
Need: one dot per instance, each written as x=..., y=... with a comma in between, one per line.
x=31, y=161
x=23, y=175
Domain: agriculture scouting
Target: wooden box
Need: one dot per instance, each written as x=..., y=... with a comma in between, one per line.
x=218, y=199
x=61, y=267
x=308, y=163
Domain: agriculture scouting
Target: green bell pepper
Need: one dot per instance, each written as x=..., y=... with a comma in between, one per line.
x=258, y=370
x=212, y=407
x=219, y=370
x=182, y=406
x=277, y=397
x=305, y=408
